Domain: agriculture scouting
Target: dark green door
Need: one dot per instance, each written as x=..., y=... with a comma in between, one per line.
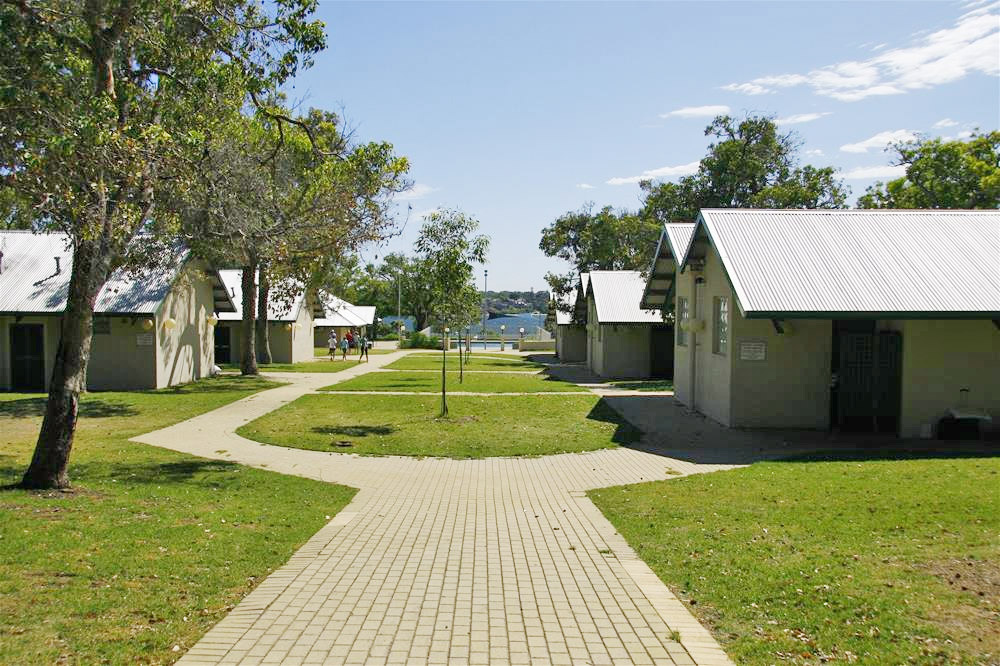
x=662, y=352
x=869, y=378
x=27, y=357
x=223, y=345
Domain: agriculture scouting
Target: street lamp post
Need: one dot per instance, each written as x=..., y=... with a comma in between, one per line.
x=444, y=370
x=503, y=327
x=520, y=343
x=486, y=274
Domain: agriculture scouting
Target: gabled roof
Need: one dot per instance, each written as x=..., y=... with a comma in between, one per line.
x=673, y=243
x=856, y=263
x=616, y=296
x=580, y=311
x=278, y=309
x=36, y=268
x=341, y=314
x=564, y=308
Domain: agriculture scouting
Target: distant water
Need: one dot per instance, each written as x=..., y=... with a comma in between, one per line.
x=529, y=322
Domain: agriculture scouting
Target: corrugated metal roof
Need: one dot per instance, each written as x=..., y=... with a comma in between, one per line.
x=30, y=282
x=617, y=295
x=673, y=244
x=340, y=313
x=278, y=309
x=788, y=263
x=564, y=308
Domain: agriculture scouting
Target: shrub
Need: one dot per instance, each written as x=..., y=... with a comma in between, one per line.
x=421, y=341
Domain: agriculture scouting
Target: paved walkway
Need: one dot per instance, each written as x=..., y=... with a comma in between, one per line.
x=496, y=561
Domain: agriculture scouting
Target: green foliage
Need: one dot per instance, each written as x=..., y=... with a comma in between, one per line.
x=417, y=340
x=153, y=547
x=447, y=249
x=942, y=174
x=480, y=426
x=606, y=240
x=749, y=165
x=874, y=562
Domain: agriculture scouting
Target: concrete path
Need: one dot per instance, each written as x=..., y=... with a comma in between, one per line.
x=436, y=561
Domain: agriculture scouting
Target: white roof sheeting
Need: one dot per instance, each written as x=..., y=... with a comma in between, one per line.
x=30, y=283
x=679, y=234
x=564, y=308
x=341, y=314
x=278, y=309
x=857, y=263
x=616, y=297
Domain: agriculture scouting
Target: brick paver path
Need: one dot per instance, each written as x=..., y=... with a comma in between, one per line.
x=495, y=561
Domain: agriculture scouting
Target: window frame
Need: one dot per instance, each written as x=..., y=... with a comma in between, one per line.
x=683, y=316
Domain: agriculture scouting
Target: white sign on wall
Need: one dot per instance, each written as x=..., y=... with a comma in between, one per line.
x=144, y=340
x=753, y=350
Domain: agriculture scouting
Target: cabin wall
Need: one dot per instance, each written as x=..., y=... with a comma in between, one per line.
x=571, y=343
x=941, y=357
x=626, y=351
x=187, y=351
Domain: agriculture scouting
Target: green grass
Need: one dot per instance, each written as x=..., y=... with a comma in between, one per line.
x=476, y=362
x=645, y=385
x=882, y=562
x=478, y=426
x=302, y=366
x=324, y=351
x=473, y=382
x=152, y=547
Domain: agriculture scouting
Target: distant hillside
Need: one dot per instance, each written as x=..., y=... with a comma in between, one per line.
x=515, y=302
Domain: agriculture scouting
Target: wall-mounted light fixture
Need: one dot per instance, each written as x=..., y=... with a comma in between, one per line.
x=147, y=324
x=169, y=323
x=212, y=320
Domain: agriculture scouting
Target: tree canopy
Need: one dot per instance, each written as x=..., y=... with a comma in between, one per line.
x=942, y=174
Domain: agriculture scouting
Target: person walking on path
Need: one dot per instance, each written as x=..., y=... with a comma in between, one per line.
x=331, y=343
x=343, y=347
x=362, y=347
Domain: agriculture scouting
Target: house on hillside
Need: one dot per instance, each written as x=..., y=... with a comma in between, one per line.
x=571, y=332
x=290, y=323
x=853, y=320
x=341, y=317
x=624, y=341
x=152, y=329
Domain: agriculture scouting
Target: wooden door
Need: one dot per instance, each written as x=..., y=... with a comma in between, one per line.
x=27, y=357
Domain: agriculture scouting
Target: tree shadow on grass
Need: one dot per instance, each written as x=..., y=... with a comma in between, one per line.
x=355, y=430
x=220, y=384
x=219, y=474
x=625, y=433
x=89, y=408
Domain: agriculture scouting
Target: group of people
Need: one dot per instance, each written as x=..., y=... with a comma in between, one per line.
x=350, y=340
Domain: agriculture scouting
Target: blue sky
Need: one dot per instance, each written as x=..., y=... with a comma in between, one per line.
x=519, y=112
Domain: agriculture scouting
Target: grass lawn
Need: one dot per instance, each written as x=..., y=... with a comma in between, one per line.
x=645, y=385
x=476, y=362
x=878, y=562
x=474, y=382
x=478, y=426
x=152, y=547
x=303, y=366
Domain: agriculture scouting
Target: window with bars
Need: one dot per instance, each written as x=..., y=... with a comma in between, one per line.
x=683, y=315
x=720, y=328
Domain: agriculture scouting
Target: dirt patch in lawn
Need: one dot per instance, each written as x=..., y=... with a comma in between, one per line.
x=974, y=624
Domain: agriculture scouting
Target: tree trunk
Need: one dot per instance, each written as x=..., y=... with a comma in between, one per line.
x=444, y=377
x=48, y=468
x=248, y=365
x=263, y=330
x=461, y=369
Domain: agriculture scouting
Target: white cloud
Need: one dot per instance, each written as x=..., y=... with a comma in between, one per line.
x=879, y=141
x=815, y=152
x=709, y=111
x=416, y=191
x=656, y=174
x=934, y=58
x=797, y=118
x=945, y=122
x=585, y=186
x=965, y=134
x=866, y=173
x=424, y=214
